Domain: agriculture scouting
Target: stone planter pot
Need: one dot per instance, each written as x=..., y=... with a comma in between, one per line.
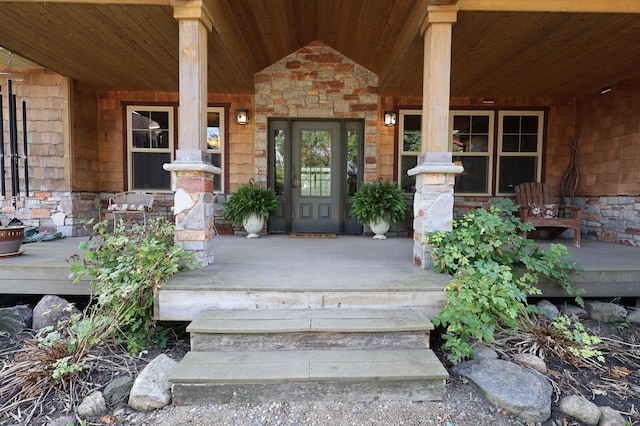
x=253, y=225
x=379, y=227
x=11, y=239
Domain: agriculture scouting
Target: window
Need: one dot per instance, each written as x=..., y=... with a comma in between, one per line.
x=512, y=149
x=409, y=147
x=216, y=144
x=519, y=150
x=150, y=142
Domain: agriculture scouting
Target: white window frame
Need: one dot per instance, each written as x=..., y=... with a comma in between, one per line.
x=537, y=153
x=221, y=148
x=170, y=110
x=401, y=151
x=489, y=153
x=494, y=152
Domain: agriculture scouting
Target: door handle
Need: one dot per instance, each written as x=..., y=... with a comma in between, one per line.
x=295, y=182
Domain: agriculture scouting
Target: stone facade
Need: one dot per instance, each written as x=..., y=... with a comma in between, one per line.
x=316, y=82
x=611, y=219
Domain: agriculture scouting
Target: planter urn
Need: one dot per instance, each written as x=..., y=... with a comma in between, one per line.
x=379, y=227
x=11, y=239
x=253, y=225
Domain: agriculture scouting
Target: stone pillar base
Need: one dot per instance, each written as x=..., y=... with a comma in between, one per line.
x=193, y=205
x=433, y=201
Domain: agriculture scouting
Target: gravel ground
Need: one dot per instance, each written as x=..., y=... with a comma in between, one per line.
x=462, y=406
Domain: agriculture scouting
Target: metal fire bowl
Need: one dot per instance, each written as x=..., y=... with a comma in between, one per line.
x=10, y=239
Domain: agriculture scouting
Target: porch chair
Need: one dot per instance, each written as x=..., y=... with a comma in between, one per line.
x=538, y=207
x=131, y=203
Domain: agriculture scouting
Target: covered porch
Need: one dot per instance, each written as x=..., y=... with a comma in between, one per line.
x=278, y=271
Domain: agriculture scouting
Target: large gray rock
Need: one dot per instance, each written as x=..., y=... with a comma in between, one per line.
x=15, y=319
x=611, y=417
x=151, y=388
x=482, y=351
x=531, y=361
x=607, y=312
x=633, y=317
x=574, y=312
x=117, y=389
x=581, y=409
x=522, y=391
x=93, y=405
x=50, y=310
x=548, y=309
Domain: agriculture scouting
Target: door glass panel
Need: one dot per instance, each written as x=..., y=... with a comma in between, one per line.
x=315, y=163
x=279, y=140
x=353, y=143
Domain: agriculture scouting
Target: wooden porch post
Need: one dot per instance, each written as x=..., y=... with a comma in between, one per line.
x=192, y=168
x=435, y=172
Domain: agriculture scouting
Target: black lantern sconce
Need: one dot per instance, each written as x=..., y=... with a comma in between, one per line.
x=389, y=118
x=242, y=116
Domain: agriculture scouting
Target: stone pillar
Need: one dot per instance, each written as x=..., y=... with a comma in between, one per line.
x=192, y=170
x=435, y=172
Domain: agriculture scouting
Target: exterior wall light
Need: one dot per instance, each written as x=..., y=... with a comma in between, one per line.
x=242, y=116
x=389, y=118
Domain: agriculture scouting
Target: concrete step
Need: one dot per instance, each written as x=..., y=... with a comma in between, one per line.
x=308, y=375
x=223, y=330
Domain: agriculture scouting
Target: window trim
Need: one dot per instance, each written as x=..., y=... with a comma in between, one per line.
x=400, y=136
x=538, y=153
x=172, y=128
x=223, y=151
x=490, y=153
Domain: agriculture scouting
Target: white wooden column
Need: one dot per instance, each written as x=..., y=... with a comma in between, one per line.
x=192, y=170
x=435, y=172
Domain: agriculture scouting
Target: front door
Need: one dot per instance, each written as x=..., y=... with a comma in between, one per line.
x=316, y=177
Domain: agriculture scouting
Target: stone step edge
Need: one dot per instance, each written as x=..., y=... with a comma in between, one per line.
x=309, y=320
x=308, y=365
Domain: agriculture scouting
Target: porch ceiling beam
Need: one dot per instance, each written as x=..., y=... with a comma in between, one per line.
x=231, y=41
x=409, y=32
x=572, y=6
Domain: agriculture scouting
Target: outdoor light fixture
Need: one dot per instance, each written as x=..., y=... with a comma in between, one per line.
x=389, y=118
x=242, y=116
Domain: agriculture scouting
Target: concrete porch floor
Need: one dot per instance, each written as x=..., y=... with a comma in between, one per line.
x=299, y=264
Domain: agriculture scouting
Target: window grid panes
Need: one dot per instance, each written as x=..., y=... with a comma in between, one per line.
x=409, y=147
x=216, y=144
x=519, y=149
x=472, y=146
x=149, y=145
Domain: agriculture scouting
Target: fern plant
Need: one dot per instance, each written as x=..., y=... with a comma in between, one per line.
x=379, y=200
x=250, y=199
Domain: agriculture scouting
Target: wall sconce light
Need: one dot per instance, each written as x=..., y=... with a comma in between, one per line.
x=242, y=116
x=389, y=118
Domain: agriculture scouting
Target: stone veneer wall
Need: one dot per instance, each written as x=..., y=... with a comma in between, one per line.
x=316, y=82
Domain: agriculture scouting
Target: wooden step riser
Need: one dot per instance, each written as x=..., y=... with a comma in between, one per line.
x=309, y=340
x=258, y=393
x=185, y=305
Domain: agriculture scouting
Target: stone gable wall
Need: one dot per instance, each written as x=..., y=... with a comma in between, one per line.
x=316, y=82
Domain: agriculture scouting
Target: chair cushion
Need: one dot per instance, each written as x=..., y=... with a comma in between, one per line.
x=544, y=210
x=128, y=207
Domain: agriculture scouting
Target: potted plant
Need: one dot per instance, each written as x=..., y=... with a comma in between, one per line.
x=250, y=205
x=379, y=204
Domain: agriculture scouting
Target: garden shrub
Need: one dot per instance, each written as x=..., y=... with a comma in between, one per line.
x=494, y=269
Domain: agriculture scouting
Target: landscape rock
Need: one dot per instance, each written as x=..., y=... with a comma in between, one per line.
x=15, y=319
x=581, y=409
x=50, y=310
x=633, y=317
x=611, y=417
x=62, y=421
x=92, y=405
x=607, y=312
x=548, y=309
x=522, y=391
x=117, y=389
x=483, y=351
x=574, y=312
x=531, y=361
x=151, y=389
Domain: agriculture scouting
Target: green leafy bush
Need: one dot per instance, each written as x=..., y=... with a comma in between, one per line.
x=379, y=200
x=125, y=267
x=493, y=271
x=250, y=199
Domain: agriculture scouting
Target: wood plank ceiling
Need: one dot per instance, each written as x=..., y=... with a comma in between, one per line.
x=135, y=47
